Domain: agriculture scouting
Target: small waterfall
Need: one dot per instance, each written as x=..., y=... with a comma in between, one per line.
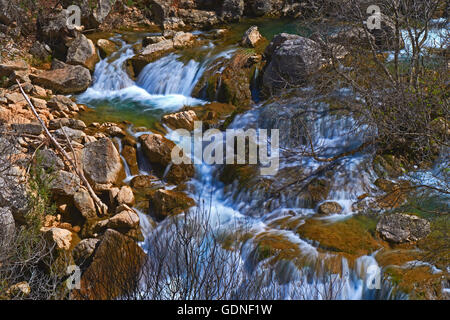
x=168, y=75
x=163, y=85
x=112, y=76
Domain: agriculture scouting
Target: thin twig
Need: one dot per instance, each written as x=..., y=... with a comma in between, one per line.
x=102, y=208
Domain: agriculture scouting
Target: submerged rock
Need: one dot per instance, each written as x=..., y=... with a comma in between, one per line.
x=330, y=207
x=400, y=228
x=164, y=203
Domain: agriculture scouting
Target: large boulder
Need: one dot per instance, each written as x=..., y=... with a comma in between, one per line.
x=158, y=151
x=102, y=163
x=64, y=79
x=82, y=52
x=291, y=63
x=116, y=264
x=400, y=228
x=164, y=203
x=277, y=41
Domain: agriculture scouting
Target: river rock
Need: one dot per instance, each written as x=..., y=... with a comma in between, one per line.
x=41, y=51
x=291, y=63
x=125, y=196
x=106, y=47
x=65, y=79
x=251, y=37
x=84, y=250
x=181, y=120
x=84, y=203
x=64, y=183
x=400, y=228
x=62, y=238
x=50, y=160
x=127, y=219
x=101, y=162
x=72, y=123
x=72, y=134
x=158, y=150
x=82, y=52
x=150, y=53
x=141, y=182
x=329, y=208
x=152, y=40
x=164, y=203
x=183, y=39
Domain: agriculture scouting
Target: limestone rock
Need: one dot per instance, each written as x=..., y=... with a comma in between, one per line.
x=101, y=162
x=251, y=37
x=61, y=237
x=330, y=207
x=67, y=79
x=84, y=203
x=82, y=52
x=400, y=228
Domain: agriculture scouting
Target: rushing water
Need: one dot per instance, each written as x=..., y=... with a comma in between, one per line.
x=165, y=86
